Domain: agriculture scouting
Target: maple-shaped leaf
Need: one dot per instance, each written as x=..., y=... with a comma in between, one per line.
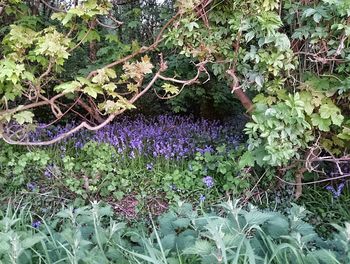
x=170, y=89
x=109, y=87
x=132, y=87
x=93, y=90
x=68, y=87
x=145, y=66
x=24, y=117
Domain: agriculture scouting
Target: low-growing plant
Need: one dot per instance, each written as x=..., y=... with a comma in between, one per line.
x=229, y=234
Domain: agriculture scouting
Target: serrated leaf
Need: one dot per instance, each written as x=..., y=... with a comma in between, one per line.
x=132, y=87
x=247, y=159
x=68, y=87
x=330, y=110
x=24, y=117
x=92, y=90
x=201, y=247
x=171, y=89
x=67, y=18
x=322, y=124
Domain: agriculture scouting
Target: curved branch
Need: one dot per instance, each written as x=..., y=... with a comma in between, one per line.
x=83, y=124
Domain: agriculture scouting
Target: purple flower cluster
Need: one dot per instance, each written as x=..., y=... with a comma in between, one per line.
x=170, y=137
x=36, y=224
x=208, y=181
x=336, y=192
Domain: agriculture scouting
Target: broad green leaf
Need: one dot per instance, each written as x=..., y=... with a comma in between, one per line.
x=24, y=117
x=322, y=124
x=92, y=90
x=330, y=110
x=69, y=87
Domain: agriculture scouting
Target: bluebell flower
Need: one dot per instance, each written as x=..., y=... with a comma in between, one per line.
x=48, y=171
x=208, y=181
x=202, y=198
x=36, y=224
x=31, y=186
x=336, y=193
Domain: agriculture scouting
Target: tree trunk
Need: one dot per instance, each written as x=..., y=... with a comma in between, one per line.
x=244, y=99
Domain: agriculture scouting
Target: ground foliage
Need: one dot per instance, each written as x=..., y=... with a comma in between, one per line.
x=237, y=235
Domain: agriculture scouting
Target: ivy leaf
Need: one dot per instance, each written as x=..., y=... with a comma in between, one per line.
x=24, y=117
x=321, y=123
x=192, y=25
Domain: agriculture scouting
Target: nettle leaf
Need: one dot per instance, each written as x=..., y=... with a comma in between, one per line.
x=170, y=89
x=24, y=117
x=321, y=123
x=282, y=41
x=309, y=12
x=330, y=110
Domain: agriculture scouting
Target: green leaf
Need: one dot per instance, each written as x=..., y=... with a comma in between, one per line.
x=68, y=87
x=169, y=88
x=67, y=18
x=24, y=117
x=92, y=90
x=322, y=124
x=330, y=110
x=31, y=241
x=247, y=159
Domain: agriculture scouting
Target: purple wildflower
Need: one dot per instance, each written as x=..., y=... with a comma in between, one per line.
x=208, y=181
x=336, y=193
x=31, y=186
x=48, y=172
x=202, y=198
x=36, y=224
